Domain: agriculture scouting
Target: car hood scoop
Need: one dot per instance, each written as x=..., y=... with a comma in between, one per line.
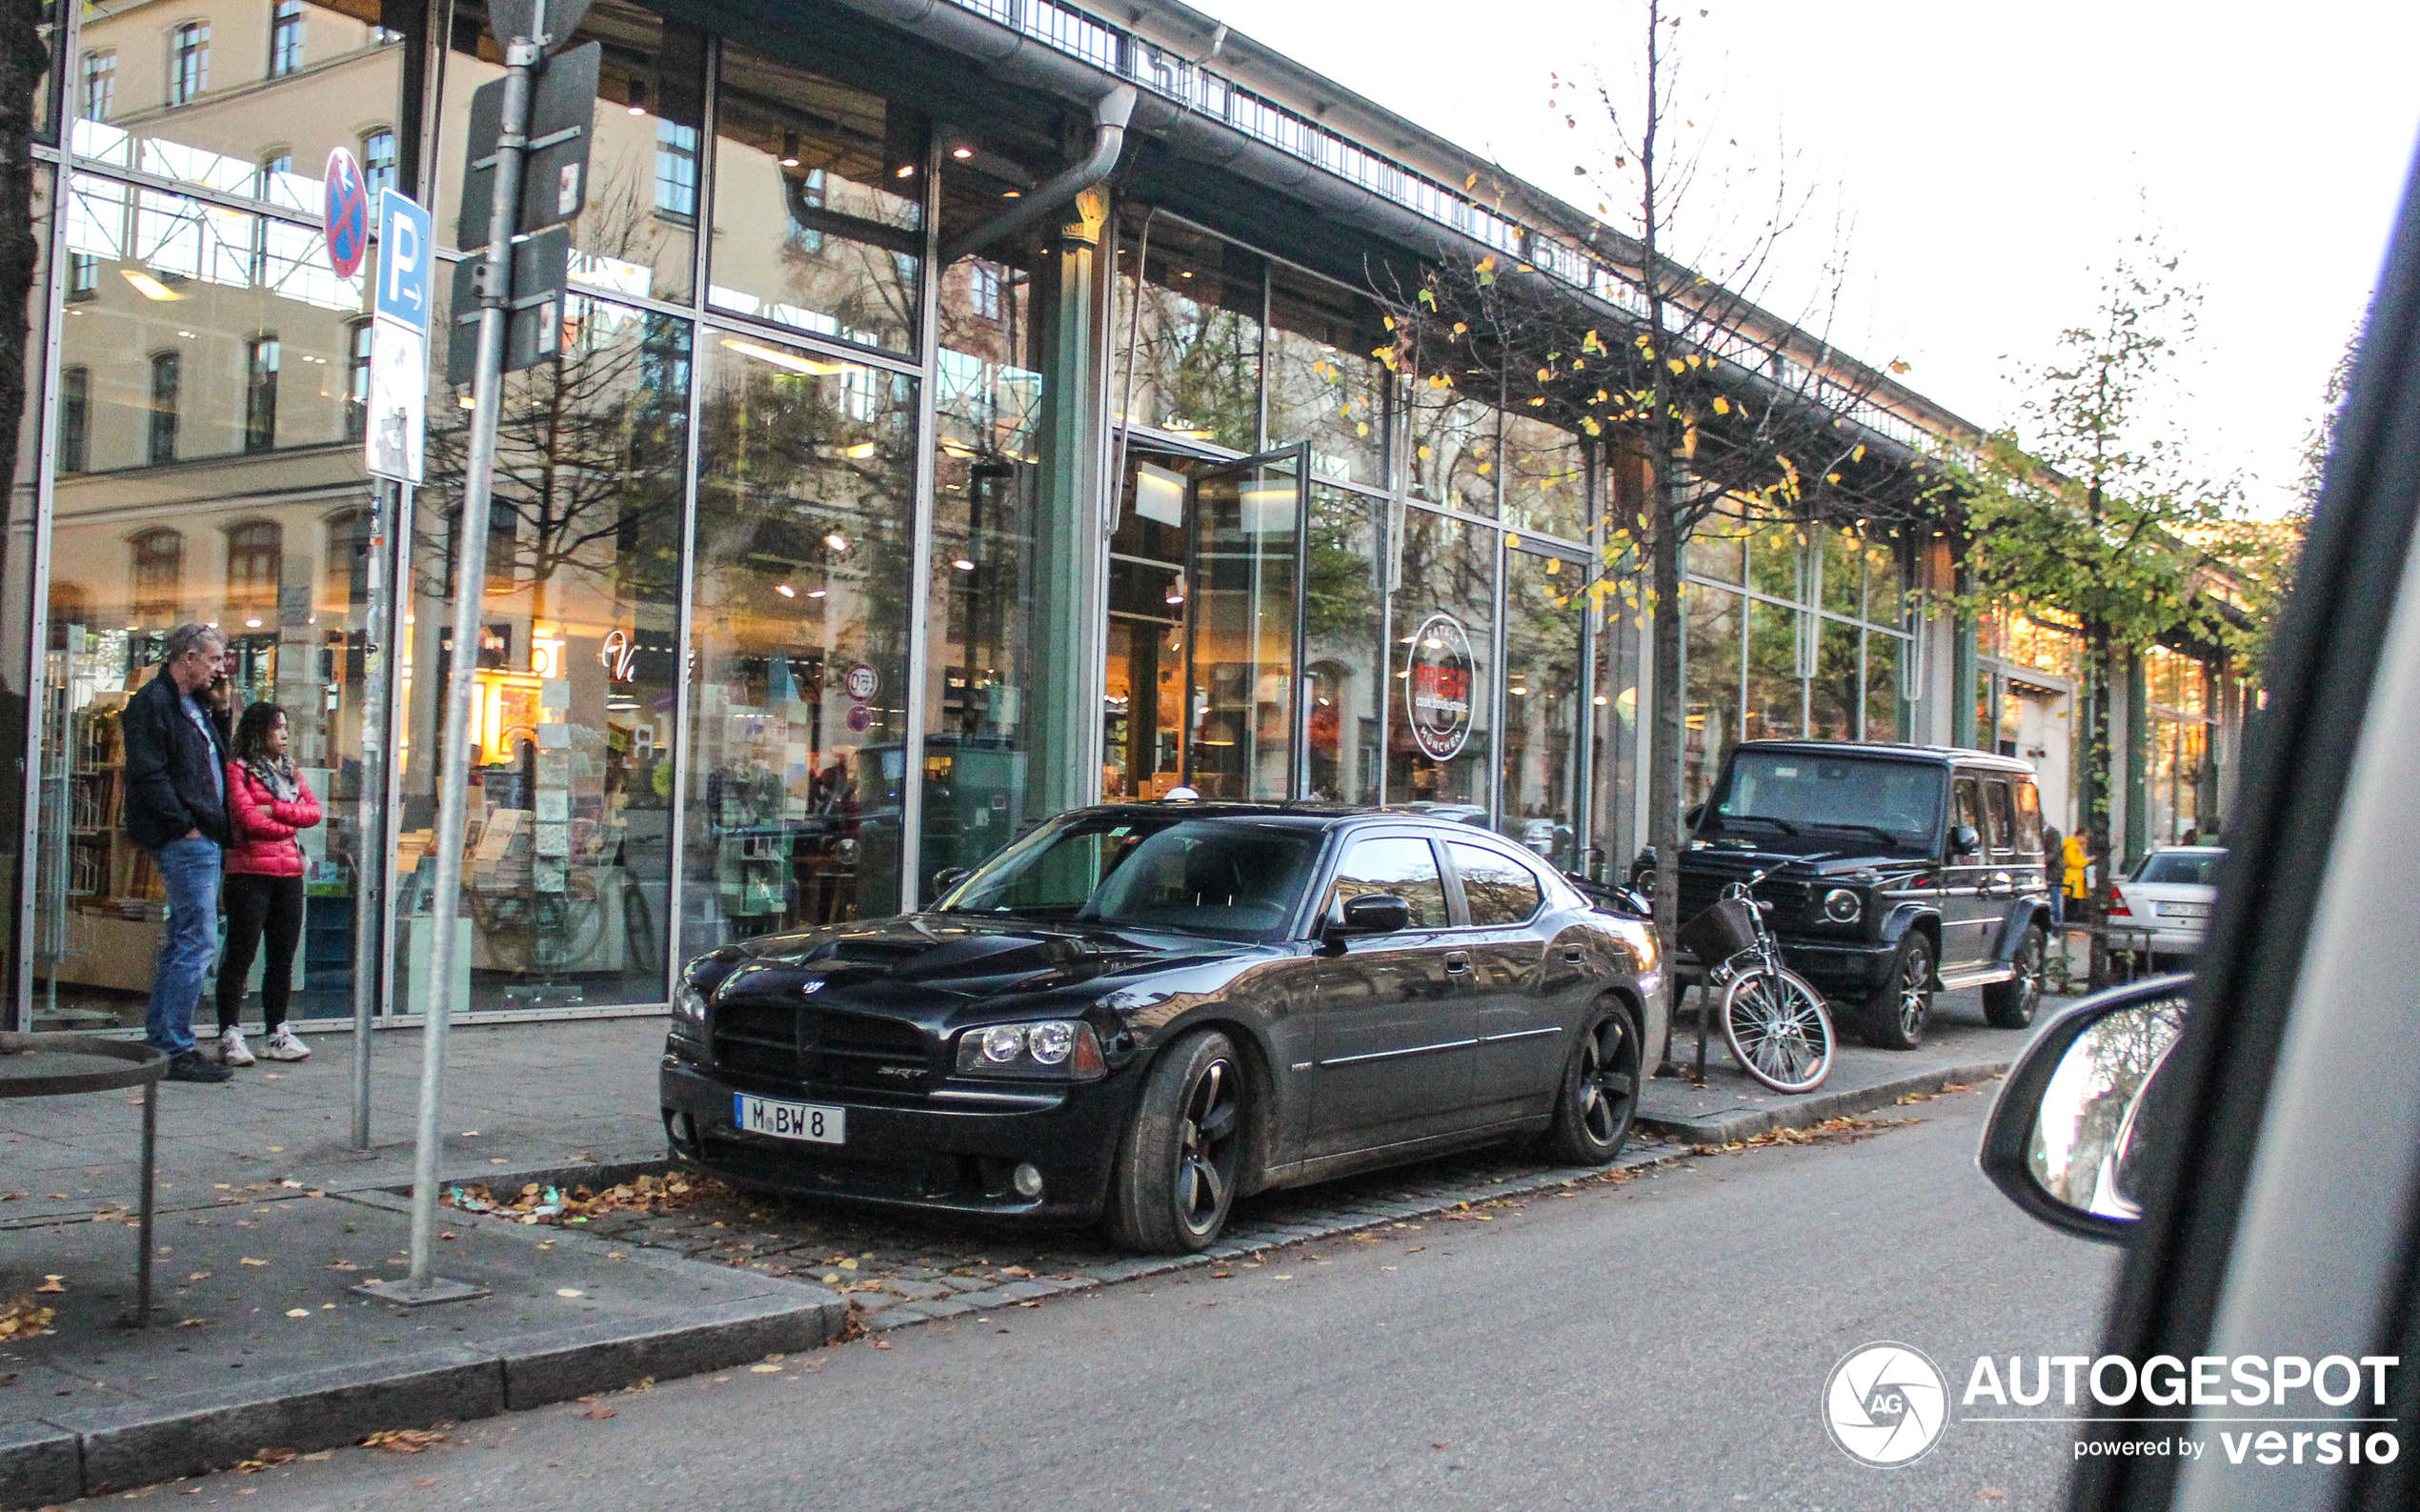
x=952, y=956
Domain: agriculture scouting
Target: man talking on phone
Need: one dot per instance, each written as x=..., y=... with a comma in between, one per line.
x=176, y=736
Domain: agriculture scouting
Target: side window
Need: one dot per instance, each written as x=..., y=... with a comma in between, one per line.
x=1401, y=866
x=2028, y=819
x=1965, y=807
x=1497, y=889
x=2003, y=817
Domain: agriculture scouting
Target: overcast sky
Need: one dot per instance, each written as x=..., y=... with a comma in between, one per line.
x=1993, y=158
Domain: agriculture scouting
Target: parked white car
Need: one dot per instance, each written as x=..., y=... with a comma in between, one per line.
x=2170, y=893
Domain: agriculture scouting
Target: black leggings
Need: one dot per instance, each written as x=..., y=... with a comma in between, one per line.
x=255, y=904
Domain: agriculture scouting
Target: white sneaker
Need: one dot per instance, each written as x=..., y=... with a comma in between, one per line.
x=232, y=1049
x=286, y=1045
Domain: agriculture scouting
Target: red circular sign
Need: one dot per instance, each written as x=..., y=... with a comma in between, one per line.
x=348, y=214
x=860, y=719
x=861, y=681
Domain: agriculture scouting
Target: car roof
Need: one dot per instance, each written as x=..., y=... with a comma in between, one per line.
x=1309, y=814
x=1897, y=751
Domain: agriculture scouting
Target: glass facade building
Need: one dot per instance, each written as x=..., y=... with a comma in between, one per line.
x=843, y=538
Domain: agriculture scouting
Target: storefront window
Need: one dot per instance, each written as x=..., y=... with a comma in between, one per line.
x=818, y=203
x=201, y=115
x=1835, y=693
x=1777, y=559
x=1843, y=572
x=980, y=605
x=1344, y=650
x=1710, y=653
x=567, y=862
x=652, y=77
x=1241, y=592
x=1621, y=650
x=1543, y=658
x=801, y=592
x=1546, y=479
x=1196, y=339
x=1775, y=693
x=1454, y=448
x=175, y=371
x=1324, y=387
x=1439, y=738
x=1883, y=654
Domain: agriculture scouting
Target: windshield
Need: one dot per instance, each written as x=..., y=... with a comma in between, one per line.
x=2199, y=867
x=1227, y=878
x=1774, y=796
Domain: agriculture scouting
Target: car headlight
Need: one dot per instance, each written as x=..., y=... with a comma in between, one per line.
x=1058, y=1048
x=1842, y=905
x=689, y=1004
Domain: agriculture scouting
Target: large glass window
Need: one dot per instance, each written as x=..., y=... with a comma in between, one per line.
x=801, y=594
x=567, y=865
x=1344, y=650
x=1440, y=746
x=1324, y=387
x=1710, y=651
x=1195, y=339
x=1775, y=689
x=1242, y=589
x=979, y=614
x=1543, y=658
x=1546, y=479
x=652, y=76
x=176, y=365
x=818, y=203
x=1454, y=448
x=100, y=85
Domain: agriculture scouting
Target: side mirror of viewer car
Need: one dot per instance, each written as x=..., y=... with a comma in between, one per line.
x=2068, y=1136
x=1963, y=840
x=1370, y=914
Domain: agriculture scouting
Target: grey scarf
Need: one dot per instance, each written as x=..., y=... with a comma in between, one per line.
x=277, y=775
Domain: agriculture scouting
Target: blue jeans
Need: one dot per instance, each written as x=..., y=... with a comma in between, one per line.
x=190, y=867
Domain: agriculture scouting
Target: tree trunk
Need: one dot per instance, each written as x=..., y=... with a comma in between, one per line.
x=22, y=58
x=1669, y=725
x=2094, y=792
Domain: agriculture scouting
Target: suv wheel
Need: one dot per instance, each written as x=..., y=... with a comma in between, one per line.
x=1895, y=1016
x=2009, y=1004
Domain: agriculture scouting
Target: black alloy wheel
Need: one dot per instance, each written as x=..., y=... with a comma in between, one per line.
x=1182, y=1157
x=1599, y=1094
x=2011, y=1004
x=1896, y=1014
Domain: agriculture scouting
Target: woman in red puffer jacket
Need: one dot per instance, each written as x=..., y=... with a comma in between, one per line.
x=268, y=805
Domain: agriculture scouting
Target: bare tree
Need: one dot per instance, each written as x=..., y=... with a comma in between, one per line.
x=25, y=56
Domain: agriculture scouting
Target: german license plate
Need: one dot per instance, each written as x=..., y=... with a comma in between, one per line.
x=2184, y=910
x=810, y=1122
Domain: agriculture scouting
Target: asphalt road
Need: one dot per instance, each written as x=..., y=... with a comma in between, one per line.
x=1661, y=1345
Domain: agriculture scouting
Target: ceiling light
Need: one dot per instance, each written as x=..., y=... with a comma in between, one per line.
x=964, y=565
x=906, y=171
x=785, y=589
x=1185, y=272
x=789, y=149
x=814, y=593
x=784, y=359
x=1012, y=194
x=251, y=624
x=961, y=153
x=148, y=287
x=638, y=97
x=836, y=541
x=467, y=402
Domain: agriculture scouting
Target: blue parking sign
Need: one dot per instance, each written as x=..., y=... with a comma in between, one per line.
x=405, y=251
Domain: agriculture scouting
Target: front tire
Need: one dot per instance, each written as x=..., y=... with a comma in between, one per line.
x=1778, y=1029
x=1600, y=1095
x=1182, y=1157
x=1895, y=1016
x=2011, y=1004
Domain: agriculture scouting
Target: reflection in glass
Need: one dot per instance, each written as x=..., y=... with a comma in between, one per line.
x=1775, y=695
x=1242, y=588
x=1543, y=654
x=1343, y=654
x=1195, y=338
x=1882, y=654
x=2085, y=1125
x=567, y=868
x=1440, y=749
x=1546, y=479
x=1835, y=694
x=1710, y=661
x=1454, y=448
x=818, y=203
x=801, y=598
x=1324, y=387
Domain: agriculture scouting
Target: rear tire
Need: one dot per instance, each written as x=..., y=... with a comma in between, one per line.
x=1182, y=1157
x=1600, y=1095
x=1895, y=1016
x=2011, y=1004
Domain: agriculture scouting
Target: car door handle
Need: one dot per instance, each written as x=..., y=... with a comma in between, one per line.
x=1457, y=961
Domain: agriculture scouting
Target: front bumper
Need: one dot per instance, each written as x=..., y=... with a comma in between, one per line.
x=1841, y=967
x=924, y=1154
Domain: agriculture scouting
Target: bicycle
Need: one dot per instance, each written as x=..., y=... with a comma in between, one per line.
x=1778, y=1027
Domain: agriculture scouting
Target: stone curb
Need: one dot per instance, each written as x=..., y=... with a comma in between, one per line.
x=1806, y=1112
x=76, y=1455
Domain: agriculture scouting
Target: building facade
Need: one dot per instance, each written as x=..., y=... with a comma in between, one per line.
x=851, y=532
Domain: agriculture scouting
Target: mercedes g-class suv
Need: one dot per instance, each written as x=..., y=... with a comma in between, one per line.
x=1908, y=870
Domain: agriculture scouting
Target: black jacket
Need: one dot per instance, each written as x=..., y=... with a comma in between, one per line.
x=173, y=775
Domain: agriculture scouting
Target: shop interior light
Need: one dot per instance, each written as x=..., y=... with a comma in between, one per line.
x=836, y=541
x=906, y=171
x=785, y=589
x=1012, y=194
x=863, y=449
x=814, y=593
x=964, y=565
x=638, y=97
x=789, y=149
x=251, y=624
x=148, y=287
x=783, y=359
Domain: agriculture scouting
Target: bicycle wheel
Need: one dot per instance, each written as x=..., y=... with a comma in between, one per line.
x=1778, y=1029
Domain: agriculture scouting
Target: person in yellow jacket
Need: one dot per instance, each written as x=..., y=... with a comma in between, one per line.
x=2073, y=852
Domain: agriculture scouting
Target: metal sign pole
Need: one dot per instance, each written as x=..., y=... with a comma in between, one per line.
x=368, y=867
x=522, y=56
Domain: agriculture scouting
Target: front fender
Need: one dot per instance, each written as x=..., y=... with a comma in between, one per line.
x=1905, y=916
x=2020, y=914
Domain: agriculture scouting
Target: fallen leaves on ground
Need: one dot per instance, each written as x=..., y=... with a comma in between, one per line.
x=21, y=1319
x=535, y=1203
x=1843, y=1130
x=599, y=1412
x=264, y=1460
x=403, y=1441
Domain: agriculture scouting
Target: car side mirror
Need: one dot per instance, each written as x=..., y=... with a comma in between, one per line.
x=1689, y=819
x=2069, y=1137
x=949, y=877
x=1963, y=840
x=1371, y=913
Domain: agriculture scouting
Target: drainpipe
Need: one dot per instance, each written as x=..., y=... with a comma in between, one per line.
x=1110, y=114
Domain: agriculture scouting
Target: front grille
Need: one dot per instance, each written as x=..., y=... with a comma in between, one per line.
x=1700, y=890
x=817, y=1048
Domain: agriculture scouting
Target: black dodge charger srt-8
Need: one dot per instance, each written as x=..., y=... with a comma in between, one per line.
x=1139, y=1013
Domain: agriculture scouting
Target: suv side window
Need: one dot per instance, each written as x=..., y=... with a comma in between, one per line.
x=1400, y=866
x=2003, y=817
x=1496, y=890
x=1965, y=807
x=2028, y=818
